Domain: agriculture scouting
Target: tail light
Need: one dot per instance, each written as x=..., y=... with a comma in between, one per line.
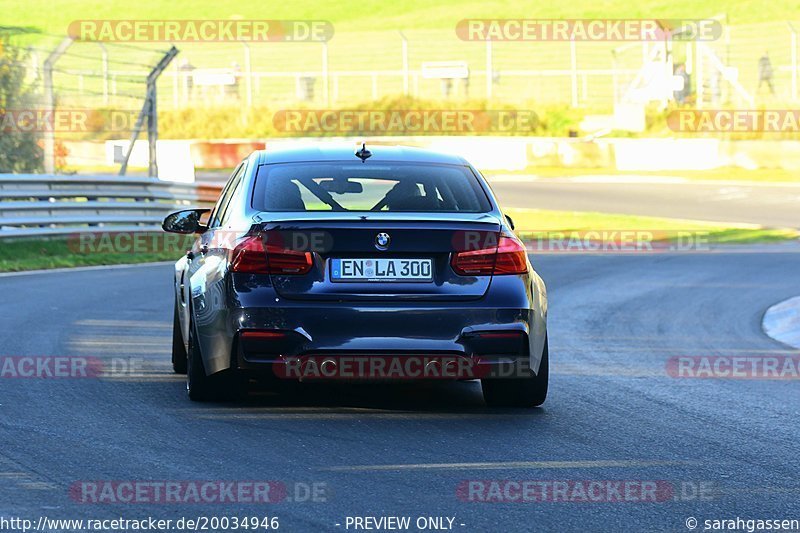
x=253, y=256
x=508, y=257
x=262, y=335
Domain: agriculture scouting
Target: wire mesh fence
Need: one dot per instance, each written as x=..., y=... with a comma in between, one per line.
x=76, y=91
x=353, y=68
x=358, y=67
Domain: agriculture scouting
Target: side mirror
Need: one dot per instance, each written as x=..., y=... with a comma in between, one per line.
x=510, y=222
x=186, y=222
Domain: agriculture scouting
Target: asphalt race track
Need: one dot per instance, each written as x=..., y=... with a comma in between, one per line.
x=728, y=447
x=771, y=205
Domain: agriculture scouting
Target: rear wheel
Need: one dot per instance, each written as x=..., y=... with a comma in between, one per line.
x=519, y=392
x=201, y=387
x=179, y=361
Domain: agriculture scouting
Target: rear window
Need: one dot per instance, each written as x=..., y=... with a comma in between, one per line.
x=421, y=188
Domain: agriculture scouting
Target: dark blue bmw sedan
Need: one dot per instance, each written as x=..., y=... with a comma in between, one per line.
x=381, y=263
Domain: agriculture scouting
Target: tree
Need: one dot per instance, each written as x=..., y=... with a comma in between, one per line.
x=20, y=150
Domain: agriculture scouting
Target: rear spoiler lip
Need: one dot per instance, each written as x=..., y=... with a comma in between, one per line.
x=379, y=220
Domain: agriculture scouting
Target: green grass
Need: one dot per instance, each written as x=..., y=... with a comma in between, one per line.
x=538, y=223
x=65, y=252
x=54, y=16
x=765, y=175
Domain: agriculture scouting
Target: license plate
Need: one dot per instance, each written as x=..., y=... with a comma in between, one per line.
x=373, y=269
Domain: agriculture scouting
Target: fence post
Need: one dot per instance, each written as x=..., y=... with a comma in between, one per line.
x=794, y=65
x=34, y=55
x=793, y=38
x=50, y=104
x=669, y=70
x=152, y=119
x=248, y=72
x=614, y=76
x=105, y=72
x=405, y=62
x=325, y=74
x=152, y=129
x=689, y=59
x=699, y=75
x=573, y=60
x=489, y=70
x=176, y=81
x=149, y=111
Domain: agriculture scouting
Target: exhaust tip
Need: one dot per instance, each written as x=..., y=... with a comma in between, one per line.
x=432, y=366
x=328, y=364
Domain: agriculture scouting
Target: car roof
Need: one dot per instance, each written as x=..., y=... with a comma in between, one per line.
x=323, y=151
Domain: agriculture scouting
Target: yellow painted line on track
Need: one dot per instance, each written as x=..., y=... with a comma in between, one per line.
x=38, y=485
x=611, y=349
x=158, y=340
x=610, y=371
x=144, y=379
x=123, y=324
x=109, y=350
x=14, y=475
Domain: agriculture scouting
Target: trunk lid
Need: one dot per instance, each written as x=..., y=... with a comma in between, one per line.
x=335, y=237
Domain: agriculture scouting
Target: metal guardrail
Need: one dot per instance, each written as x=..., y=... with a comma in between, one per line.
x=46, y=205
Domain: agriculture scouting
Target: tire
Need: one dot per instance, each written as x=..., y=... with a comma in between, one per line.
x=519, y=392
x=179, y=360
x=202, y=388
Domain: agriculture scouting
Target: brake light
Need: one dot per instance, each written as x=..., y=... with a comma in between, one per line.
x=261, y=335
x=508, y=257
x=253, y=256
x=249, y=256
x=512, y=258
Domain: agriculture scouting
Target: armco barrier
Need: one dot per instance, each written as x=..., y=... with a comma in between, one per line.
x=43, y=205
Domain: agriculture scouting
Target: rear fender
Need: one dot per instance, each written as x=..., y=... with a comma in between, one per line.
x=181, y=292
x=209, y=308
x=538, y=324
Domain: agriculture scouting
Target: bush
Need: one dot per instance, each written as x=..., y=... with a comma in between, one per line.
x=19, y=150
x=260, y=122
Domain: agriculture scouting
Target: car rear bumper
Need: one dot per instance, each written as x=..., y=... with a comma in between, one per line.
x=464, y=338
x=252, y=327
